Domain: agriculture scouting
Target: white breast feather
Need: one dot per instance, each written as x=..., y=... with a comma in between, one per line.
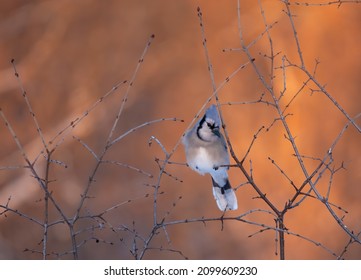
x=202, y=160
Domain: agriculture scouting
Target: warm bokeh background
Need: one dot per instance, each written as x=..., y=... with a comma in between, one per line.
x=69, y=54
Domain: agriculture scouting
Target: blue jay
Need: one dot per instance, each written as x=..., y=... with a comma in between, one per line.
x=206, y=152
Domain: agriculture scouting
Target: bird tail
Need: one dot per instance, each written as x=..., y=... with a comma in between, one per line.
x=225, y=196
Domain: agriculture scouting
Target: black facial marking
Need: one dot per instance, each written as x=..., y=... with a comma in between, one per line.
x=200, y=126
x=227, y=186
x=201, y=122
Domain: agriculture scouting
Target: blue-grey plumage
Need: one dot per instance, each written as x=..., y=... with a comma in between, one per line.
x=206, y=152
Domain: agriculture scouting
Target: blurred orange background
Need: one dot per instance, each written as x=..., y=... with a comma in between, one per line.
x=70, y=54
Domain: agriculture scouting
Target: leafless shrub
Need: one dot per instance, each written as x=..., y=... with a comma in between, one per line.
x=316, y=182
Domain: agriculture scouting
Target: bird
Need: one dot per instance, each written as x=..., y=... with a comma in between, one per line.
x=207, y=153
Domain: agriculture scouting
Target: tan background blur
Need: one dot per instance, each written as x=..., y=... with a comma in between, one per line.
x=69, y=54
